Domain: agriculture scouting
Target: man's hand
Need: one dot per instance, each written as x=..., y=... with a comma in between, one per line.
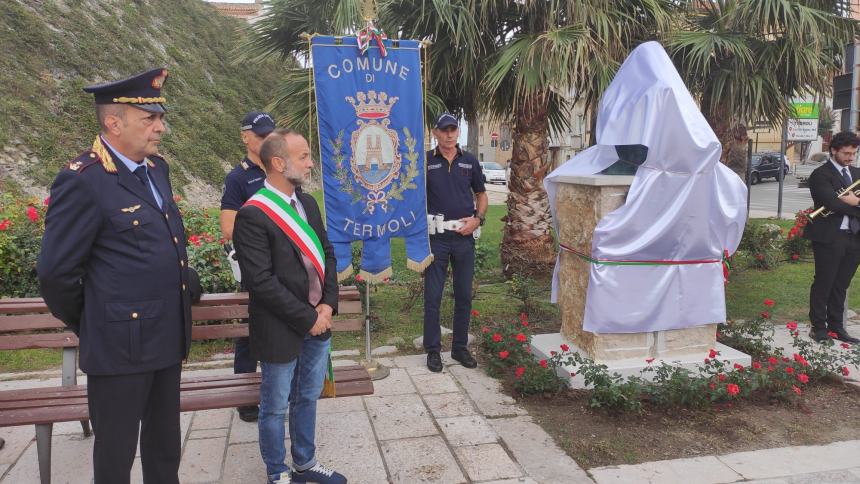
x=323, y=322
x=470, y=224
x=850, y=199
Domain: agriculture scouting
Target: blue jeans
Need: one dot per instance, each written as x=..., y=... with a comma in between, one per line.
x=296, y=386
x=460, y=251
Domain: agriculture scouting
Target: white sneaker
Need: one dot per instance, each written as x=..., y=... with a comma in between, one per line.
x=282, y=478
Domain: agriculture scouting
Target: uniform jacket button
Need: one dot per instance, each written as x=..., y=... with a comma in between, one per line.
x=135, y=223
x=133, y=315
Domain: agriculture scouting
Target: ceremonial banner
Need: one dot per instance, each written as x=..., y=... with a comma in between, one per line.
x=369, y=107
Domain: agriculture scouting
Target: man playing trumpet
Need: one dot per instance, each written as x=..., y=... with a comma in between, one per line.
x=835, y=239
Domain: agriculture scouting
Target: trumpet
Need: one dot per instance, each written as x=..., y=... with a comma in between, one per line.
x=824, y=211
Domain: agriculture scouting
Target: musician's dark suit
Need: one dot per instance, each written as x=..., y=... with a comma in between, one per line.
x=836, y=251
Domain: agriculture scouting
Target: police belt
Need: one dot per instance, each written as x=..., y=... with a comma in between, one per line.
x=436, y=224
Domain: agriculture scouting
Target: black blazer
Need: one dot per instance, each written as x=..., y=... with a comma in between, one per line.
x=277, y=282
x=824, y=183
x=113, y=266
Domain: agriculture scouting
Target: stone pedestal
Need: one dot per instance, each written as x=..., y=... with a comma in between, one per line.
x=581, y=202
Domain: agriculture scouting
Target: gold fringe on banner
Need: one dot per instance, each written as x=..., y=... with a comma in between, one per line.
x=374, y=278
x=342, y=275
x=419, y=266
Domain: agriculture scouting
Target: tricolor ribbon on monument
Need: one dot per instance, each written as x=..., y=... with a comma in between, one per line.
x=369, y=109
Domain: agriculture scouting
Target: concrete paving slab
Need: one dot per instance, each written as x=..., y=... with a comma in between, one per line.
x=434, y=383
x=399, y=416
x=788, y=461
x=384, y=360
x=340, y=405
x=17, y=439
x=521, y=480
x=698, y=470
x=537, y=452
x=383, y=350
x=337, y=363
x=212, y=419
x=345, y=442
x=486, y=392
x=487, y=461
x=424, y=459
x=418, y=370
x=208, y=433
x=396, y=383
x=829, y=477
x=3, y=469
x=71, y=462
x=419, y=360
x=243, y=464
x=468, y=430
x=343, y=353
x=201, y=460
x=67, y=428
x=449, y=405
x=243, y=432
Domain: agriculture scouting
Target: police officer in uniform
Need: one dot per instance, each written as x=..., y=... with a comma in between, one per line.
x=455, y=189
x=239, y=185
x=114, y=269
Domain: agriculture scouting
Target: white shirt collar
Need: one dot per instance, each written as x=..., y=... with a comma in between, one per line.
x=838, y=166
x=281, y=194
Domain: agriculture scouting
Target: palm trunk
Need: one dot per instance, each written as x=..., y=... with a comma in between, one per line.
x=472, y=135
x=733, y=136
x=527, y=245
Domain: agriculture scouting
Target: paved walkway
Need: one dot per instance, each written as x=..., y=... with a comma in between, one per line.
x=451, y=427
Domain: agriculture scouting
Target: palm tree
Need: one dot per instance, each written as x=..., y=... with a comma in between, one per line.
x=746, y=59
x=554, y=48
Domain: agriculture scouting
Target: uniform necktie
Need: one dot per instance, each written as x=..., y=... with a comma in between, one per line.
x=853, y=223
x=140, y=173
x=315, y=289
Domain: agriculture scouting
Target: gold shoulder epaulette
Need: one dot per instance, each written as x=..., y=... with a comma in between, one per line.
x=103, y=155
x=244, y=165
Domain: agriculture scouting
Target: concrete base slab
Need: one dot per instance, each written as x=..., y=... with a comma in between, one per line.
x=201, y=460
x=396, y=383
x=71, y=462
x=425, y=459
x=345, y=443
x=399, y=416
x=486, y=392
x=543, y=344
x=243, y=464
x=698, y=470
x=434, y=383
x=788, y=461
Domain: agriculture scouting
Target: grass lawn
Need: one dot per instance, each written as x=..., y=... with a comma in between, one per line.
x=397, y=307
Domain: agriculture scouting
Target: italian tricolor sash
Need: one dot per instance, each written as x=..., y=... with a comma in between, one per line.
x=289, y=220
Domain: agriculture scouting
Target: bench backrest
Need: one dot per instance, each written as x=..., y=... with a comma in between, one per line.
x=26, y=322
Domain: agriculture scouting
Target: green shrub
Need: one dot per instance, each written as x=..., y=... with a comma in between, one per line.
x=22, y=222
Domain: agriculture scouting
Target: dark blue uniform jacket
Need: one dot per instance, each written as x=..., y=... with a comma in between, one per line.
x=113, y=266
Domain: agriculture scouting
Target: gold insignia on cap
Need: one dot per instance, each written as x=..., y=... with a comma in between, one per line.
x=139, y=100
x=74, y=165
x=158, y=80
x=131, y=209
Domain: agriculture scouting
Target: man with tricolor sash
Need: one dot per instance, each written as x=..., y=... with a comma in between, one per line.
x=288, y=268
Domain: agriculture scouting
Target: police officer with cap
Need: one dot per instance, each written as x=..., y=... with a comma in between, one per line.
x=239, y=185
x=455, y=189
x=114, y=269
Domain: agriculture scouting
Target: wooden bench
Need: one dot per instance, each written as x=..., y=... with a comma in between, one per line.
x=26, y=323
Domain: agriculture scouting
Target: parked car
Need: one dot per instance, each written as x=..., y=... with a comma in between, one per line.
x=493, y=172
x=766, y=165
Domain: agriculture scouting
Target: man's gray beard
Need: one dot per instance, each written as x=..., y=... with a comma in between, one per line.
x=296, y=182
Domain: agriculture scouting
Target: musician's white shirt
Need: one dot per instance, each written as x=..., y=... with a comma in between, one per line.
x=839, y=167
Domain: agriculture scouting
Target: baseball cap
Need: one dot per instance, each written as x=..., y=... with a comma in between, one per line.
x=258, y=122
x=445, y=120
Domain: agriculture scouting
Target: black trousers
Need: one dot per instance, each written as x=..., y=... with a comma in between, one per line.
x=835, y=265
x=460, y=251
x=122, y=404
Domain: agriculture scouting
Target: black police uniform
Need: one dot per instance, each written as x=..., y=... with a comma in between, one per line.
x=114, y=268
x=240, y=184
x=450, y=188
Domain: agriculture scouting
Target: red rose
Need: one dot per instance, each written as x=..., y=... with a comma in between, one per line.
x=475, y=312
x=792, y=325
x=524, y=317
x=800, y=360
x=485, y=329
x=756, y=365
x=769, y=302
x=525, y=324
x=32, y=214
x=572, y=374
x=564, y=347
x=503, y=354
x=772, y=360
x=845, y=371
x=713, y=386
x=770, y=368
x=522, y=338
x=177, y=198
x=713, y=353
x=497, y=338
x=832, y=334
x=732, y=389
x=47, y=201
x=519, y=372
x=765, y=314
x=649, y=360
x=789, y=370
x=803, y=378
x=739, y=367
x=795, y=257
x=759, y=257
x=4, y=225
x=796, y=389
x=543, y=363
x=707, y=361
x=721, y=377
x=845, y=345
x=552, y=353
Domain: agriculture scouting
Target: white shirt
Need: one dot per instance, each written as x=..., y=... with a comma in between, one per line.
x=839, y=168
x=299, y=207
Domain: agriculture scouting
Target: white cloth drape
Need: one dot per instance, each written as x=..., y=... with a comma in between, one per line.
x=683, y=205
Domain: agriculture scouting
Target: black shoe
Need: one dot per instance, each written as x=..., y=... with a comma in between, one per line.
x=249, y=414
x=434, y=362
x=843, y=335
x=464, y=357
x=820, y=336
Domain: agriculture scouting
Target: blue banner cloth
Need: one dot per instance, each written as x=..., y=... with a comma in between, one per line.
x=371, y=133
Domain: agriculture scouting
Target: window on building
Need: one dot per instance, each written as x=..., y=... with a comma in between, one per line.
x=482, y=157
x=494, y=143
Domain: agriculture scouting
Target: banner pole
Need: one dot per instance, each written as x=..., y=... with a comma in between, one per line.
x=377, y=370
